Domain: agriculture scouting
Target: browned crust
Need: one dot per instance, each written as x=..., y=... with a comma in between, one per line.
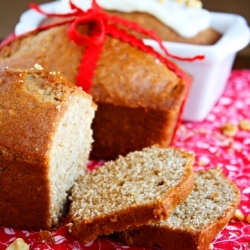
x=89, y=229
x=27, y=135
x=128, y=129
x=50, y=48
x=127, y=76
x=208, y=234
x=177, y=239
x=24, y=199
x=207, y=37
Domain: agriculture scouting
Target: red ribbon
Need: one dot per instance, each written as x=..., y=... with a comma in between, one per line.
x=97, y=37
x=100, y=25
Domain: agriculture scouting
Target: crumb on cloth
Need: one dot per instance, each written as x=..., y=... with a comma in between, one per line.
x=46, y=236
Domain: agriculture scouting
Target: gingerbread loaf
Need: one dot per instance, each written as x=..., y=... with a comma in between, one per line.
x=45, y=141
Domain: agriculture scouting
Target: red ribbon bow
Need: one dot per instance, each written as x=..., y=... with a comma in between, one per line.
x=91, y=18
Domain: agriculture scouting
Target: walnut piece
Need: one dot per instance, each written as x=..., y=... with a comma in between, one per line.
x=194, y=3
x=248, y=218
x=244, y=124
x=18, y=244
x=190, y=3
x=229, y=129
x=239, y=215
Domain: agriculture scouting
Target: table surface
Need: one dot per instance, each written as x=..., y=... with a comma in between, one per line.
x=212, y=149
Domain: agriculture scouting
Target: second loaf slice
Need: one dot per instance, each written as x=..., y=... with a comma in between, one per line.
x=197, y=221
x=142, y=187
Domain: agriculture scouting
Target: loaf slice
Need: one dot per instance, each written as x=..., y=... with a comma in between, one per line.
x=45, y=141
x=196, y=222
x=142, y=187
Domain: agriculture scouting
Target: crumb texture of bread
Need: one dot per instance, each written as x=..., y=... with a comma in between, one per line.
x=45, y=141
x=141, y=187
x=197, y=221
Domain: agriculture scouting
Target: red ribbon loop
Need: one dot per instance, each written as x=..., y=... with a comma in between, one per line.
x=97, y=31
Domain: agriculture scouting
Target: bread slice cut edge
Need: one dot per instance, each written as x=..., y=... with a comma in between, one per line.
x=88, y=229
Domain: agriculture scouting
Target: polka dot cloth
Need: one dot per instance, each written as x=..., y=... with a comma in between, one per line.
x=212, y=148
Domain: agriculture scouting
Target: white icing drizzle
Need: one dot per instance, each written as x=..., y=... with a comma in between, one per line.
x=184, y=19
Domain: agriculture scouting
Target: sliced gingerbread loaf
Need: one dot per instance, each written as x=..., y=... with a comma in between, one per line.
x=45, y=141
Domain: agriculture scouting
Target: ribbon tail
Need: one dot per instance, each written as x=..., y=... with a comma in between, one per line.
x=88, y=65
x=41, y=11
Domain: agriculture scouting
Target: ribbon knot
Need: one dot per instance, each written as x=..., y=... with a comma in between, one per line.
x=95, y=28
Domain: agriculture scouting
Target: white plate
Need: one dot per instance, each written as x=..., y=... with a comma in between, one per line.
x=210, y=75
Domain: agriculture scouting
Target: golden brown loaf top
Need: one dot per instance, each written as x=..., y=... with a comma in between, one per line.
x=124, y=75
x=134, y=78
x=196, y=222
x=51, y=49
x=136, y=189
